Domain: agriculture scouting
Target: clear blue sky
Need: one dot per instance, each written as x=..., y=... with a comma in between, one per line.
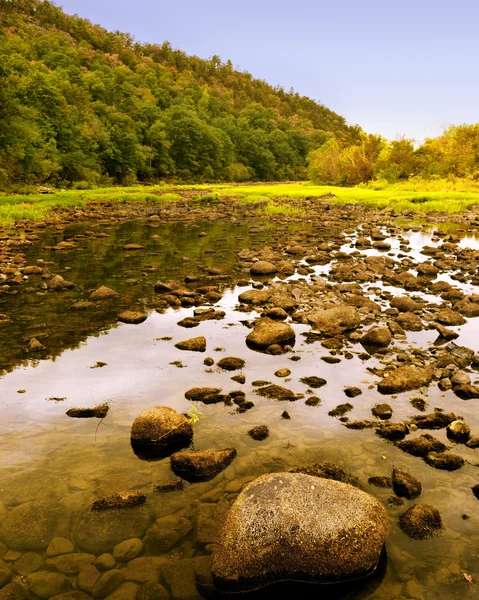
x=407, y=67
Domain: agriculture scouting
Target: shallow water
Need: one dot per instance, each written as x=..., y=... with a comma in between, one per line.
x=75, y=461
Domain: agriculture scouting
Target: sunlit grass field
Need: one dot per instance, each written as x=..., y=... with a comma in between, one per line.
x=274, y=199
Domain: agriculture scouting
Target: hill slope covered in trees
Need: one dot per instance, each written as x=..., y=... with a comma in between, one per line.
x=83, y=106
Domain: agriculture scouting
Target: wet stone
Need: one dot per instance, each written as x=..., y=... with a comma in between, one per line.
x=132, y=317
x=197, y=344
x=119, y=501
x=313, y=381
x=459, y=431
x=405, y=485
x=161, y=428
x=205, y=394
x=420, y=521
x=340, y=410
x=13, y=591
x=381, y=481
x=382, y=411
x=152, y=591
x=59, y=546
x=46, y=584
x=231, y=363
x=422, y=445
x=28, y=563
x=105, y=561
x=259, y=433
x=87, y=578
x=201, y=465
x=405, y=379
x=352, y=392
x=267, y=333
x=209, y=520
x=99, y=532
x=277, y=392
x=145, y=569
x=107, y=583
x=32, y=526
x=166, y=533
x=288, y=523
x=444, y=461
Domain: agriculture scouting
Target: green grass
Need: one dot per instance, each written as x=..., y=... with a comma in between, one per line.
x=274, y=199
x=396, y=197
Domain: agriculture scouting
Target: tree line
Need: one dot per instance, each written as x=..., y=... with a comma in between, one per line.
x=81, y=106
x=455, y=153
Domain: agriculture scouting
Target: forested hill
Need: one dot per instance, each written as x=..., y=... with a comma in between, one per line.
x=83, y=106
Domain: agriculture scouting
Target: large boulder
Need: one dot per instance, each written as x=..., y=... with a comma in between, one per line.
x=99, y=531
x=160, y=430
x=405, y=379
x=201, y=465
x=267, y=332
x=334, y=321
x=33, y=525
x=291, y=526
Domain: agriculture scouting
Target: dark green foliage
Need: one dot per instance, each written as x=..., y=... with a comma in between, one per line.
x=83, y=106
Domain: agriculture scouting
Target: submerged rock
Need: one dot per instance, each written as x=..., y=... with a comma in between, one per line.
x=99, y=531
x=444, y=461
x=119, y=501
x=290, y=526
x=205, y=394
x=405, y=379
x=33, y=525
x=277, y=392
x=259, y=433
x=267, y=332
x=160, y=429
x=422, y=445
x=405, y=485
x=201, y=465
x=420, y=521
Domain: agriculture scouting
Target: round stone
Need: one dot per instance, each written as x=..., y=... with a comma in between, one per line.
x=287, y=526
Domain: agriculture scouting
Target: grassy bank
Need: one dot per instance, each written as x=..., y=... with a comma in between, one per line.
x=275, y=199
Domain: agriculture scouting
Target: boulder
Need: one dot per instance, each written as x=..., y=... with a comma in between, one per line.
x=420, y=521
x=444, y=461
x=290, y=526
x=99, y=531
x=458, y=430
x=447, y=316
x=405, y=485
x=409, y=321
x=161, y=429
x=422, y=445
x=379, y=337
x=263, y=267
x=267, y=332
x=201, y=465
x=33, y=525
x=334, y=321
x=405, y=379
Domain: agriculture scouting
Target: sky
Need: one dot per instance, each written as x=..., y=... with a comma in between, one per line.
x=394, y=68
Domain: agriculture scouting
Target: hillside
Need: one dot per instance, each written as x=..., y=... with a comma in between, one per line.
x=81, y=106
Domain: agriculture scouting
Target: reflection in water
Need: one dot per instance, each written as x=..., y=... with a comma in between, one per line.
x=46, y=455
